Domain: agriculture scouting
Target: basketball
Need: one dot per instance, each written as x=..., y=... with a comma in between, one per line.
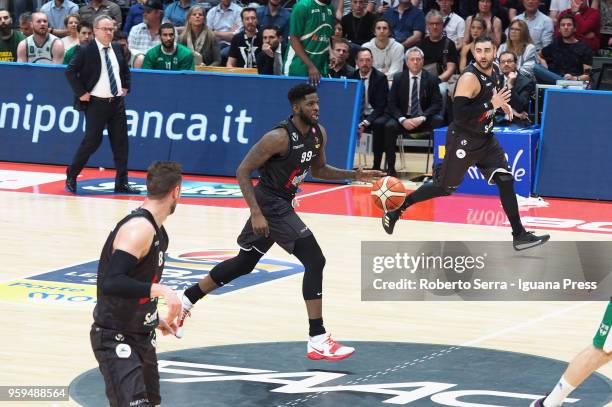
x=388, y=193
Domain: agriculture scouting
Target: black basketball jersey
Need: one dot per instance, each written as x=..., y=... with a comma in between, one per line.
x=482, y=125
x=282, y=174
x=136, y=315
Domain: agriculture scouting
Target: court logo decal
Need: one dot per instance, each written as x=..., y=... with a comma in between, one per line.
x=189, y=189
x=76, y=285
x=13, y=180
x=379, y=374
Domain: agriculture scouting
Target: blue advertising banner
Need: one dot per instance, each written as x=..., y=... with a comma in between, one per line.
x=519, y=145
x=205, y=121
x=576, y=147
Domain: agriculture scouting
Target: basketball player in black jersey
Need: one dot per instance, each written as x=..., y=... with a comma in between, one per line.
x=129, y=271
x=284, y=156
x=470, y=141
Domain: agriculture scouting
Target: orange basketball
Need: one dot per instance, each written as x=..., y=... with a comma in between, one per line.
x=388, y=193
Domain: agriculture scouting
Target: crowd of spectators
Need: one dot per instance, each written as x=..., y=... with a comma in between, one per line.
x=538, y=41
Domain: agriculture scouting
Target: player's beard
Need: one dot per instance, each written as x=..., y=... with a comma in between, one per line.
x=307, y=119
x=173, y=206
x=5, y=30
x=484, y=67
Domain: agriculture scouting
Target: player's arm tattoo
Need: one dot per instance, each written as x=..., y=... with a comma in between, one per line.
x=320, y=168
x=272, y=143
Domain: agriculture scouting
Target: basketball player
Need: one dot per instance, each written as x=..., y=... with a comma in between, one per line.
x=470, y=140
x=125, y=316
x=583, y=365
x=284, y=156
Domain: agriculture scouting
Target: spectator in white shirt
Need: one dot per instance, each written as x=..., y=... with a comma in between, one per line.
x=387, y=53
x=541, y=26
x=454, y=25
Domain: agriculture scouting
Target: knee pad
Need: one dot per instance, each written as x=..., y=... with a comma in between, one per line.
x=235, y=267
x=307, y=250
x=502, y=177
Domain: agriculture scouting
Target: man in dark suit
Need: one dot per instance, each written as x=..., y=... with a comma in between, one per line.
x=414, y=103
x=270, y=59
x=100, y=79
x=522, y=87
x=376, y=91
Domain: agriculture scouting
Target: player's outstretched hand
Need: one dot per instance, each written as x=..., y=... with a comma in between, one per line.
x=501, y=98
x=260, y=224
x=369, y=175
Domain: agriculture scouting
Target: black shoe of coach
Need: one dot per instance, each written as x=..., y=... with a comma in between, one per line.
x=71, y=185
x=125, y=189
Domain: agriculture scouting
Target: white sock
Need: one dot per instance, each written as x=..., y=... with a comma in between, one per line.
x=317, y=338
x=559, y=393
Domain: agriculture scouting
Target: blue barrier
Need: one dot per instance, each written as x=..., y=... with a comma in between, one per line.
x=519, y=146
x=576, y=148
x=205, y=121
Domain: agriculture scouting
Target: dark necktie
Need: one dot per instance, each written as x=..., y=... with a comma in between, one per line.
x=111, y=74
x=365, y=92
x=414, y=97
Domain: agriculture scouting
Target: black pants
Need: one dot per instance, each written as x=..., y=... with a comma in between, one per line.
x=378, y=139
x=128, y=363
x=99, y=114
x=393, y=129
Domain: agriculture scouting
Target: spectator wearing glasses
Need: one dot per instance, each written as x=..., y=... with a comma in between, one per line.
x=520, y=44
x=521, y=85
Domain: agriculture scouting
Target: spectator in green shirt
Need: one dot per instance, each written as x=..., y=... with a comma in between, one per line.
x=9, y=38
x=168, y=56
x=85, y=32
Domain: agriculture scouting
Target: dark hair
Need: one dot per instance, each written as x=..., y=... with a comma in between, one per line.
x=279, y=32
x=509, y=53
x=163, y=177
x=165, y=26
x=87, y=24
x=384, y=20
x=119, y=35
x=362, y=49
x=247, y=9
x=299, y=92
x=484, y=38
x=3, y=9
x=568, y=17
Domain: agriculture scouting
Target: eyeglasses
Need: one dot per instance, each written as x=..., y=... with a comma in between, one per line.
x=508, y=61
x=106, y=29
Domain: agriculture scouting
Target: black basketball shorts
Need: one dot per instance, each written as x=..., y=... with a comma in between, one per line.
x=464, y=149
x=128, y=363
x=285, y=225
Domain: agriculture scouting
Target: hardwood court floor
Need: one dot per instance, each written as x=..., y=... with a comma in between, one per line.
x=47, y=342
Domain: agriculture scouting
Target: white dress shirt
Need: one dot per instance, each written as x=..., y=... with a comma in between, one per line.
x=103, y=88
